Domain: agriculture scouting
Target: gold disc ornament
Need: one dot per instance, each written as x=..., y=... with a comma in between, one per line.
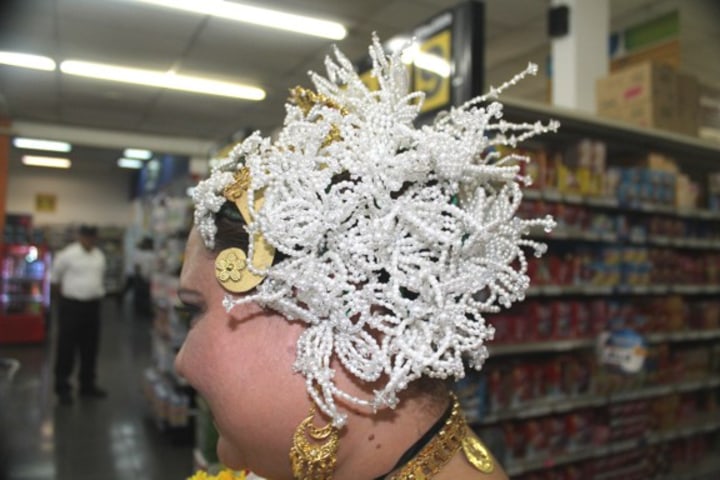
x=477, y=454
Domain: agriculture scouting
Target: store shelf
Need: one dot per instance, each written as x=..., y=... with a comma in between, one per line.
x=539, y=347
x=583, y=343
x=595, y=451
x=575, y=123
x=578, y=235
x=698, y=427
x=628, y=252
x=606, y=290
x=684, y=336
x=704, y=470
x=558, y=405
x=24, y=292
x=612, y=203
x=587, y=453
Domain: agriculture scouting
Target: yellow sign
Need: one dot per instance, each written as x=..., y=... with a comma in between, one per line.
x=370, y=82
x=45, y=202
x=432, y=73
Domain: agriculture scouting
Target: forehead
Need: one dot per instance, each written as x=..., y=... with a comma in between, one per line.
x=198, y=261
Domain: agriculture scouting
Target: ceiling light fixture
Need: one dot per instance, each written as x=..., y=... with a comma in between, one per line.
x=168, y=79
x=25, y=60
x=259, y=16
x=38, y=144
x=426, y=61
x=133, y=163
x=52, y=162
x=139, y=153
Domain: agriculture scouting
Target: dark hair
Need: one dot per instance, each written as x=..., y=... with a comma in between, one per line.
x=88, y=230
x=230, y=228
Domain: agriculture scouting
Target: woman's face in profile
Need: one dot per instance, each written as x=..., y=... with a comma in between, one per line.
x=241, y=364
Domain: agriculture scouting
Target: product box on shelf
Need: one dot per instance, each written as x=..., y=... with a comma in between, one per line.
x=688, y=102
x=643, y=95
x=580, y=168
x=713, y=189
x=709, y=128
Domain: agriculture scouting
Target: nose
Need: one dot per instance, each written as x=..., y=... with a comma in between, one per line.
x=179, y=363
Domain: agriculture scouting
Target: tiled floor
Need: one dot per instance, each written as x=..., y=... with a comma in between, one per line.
x=109, y=439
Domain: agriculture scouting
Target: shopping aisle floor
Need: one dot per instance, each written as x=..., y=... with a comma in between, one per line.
x=108, y=439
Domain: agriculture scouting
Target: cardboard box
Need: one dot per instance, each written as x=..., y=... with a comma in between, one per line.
x=709, y=128
x=688, y=104
x=643, y=95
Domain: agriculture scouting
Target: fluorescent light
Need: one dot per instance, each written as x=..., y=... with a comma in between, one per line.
x=432, y=63
x=25, y=60
x=426, y=61
x=52, y=162
x=398, y=43
x=159, y=79
x=130, y=163
x=258, y=16
x=38, y=144
x=140, y=153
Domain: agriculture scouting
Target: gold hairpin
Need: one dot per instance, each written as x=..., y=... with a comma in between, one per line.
x=231, y=265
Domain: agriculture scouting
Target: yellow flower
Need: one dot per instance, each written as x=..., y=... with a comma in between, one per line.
x=230, y=267
x=223, y=475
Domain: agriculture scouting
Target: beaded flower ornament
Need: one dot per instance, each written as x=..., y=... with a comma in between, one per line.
x=397, y=240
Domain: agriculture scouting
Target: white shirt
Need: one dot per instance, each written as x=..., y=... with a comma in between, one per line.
x=80, y=273
x=144, y=263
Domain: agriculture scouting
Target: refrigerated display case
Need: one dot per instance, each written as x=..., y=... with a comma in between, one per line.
x=24, y=292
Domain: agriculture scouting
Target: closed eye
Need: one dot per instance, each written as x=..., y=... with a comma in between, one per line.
x=188, y=314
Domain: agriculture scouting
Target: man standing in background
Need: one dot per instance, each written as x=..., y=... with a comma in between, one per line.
x=77, y=272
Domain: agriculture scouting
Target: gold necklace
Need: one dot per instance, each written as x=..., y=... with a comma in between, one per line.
x=453, y=436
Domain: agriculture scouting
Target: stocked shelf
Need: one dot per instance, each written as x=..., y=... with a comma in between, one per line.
x=708, y=469
x=599, y=451
x=606, y=290
x=637, y=249
x=582, y=343
x=563, y=405
x=24, y=292
x=615, y=204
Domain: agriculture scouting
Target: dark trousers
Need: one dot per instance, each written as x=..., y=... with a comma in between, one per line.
x=78, y=336
x=141, y=296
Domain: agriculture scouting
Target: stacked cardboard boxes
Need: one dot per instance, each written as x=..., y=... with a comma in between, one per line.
x=650, y=95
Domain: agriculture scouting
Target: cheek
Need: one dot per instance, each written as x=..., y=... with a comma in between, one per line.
x=205, y=356
x=246, y=376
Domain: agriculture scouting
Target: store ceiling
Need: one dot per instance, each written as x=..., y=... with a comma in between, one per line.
x=135, y=34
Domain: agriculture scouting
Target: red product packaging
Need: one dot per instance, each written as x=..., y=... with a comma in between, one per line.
x=536, y=439
x=542, y=322
x=521, y=384
x=554, y=427
x=562, y=315
x=553, y=378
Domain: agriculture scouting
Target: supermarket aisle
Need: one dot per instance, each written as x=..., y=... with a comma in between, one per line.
x=110, y=439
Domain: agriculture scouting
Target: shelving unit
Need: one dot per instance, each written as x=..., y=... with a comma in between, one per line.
x=24, y=292
x=171, y=399
x=111, y=241
x=626, y=254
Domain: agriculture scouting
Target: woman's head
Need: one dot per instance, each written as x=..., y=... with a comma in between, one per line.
x=240, y=362
x=381, y=245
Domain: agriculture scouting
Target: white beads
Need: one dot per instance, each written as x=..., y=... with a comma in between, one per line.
x=398, y=240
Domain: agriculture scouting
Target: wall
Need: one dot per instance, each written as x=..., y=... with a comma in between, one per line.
x=98, y=196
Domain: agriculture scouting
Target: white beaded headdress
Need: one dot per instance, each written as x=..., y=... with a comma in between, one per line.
x=397, y=240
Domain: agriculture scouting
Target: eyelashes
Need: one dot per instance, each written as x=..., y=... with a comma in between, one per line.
x=188, y=314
